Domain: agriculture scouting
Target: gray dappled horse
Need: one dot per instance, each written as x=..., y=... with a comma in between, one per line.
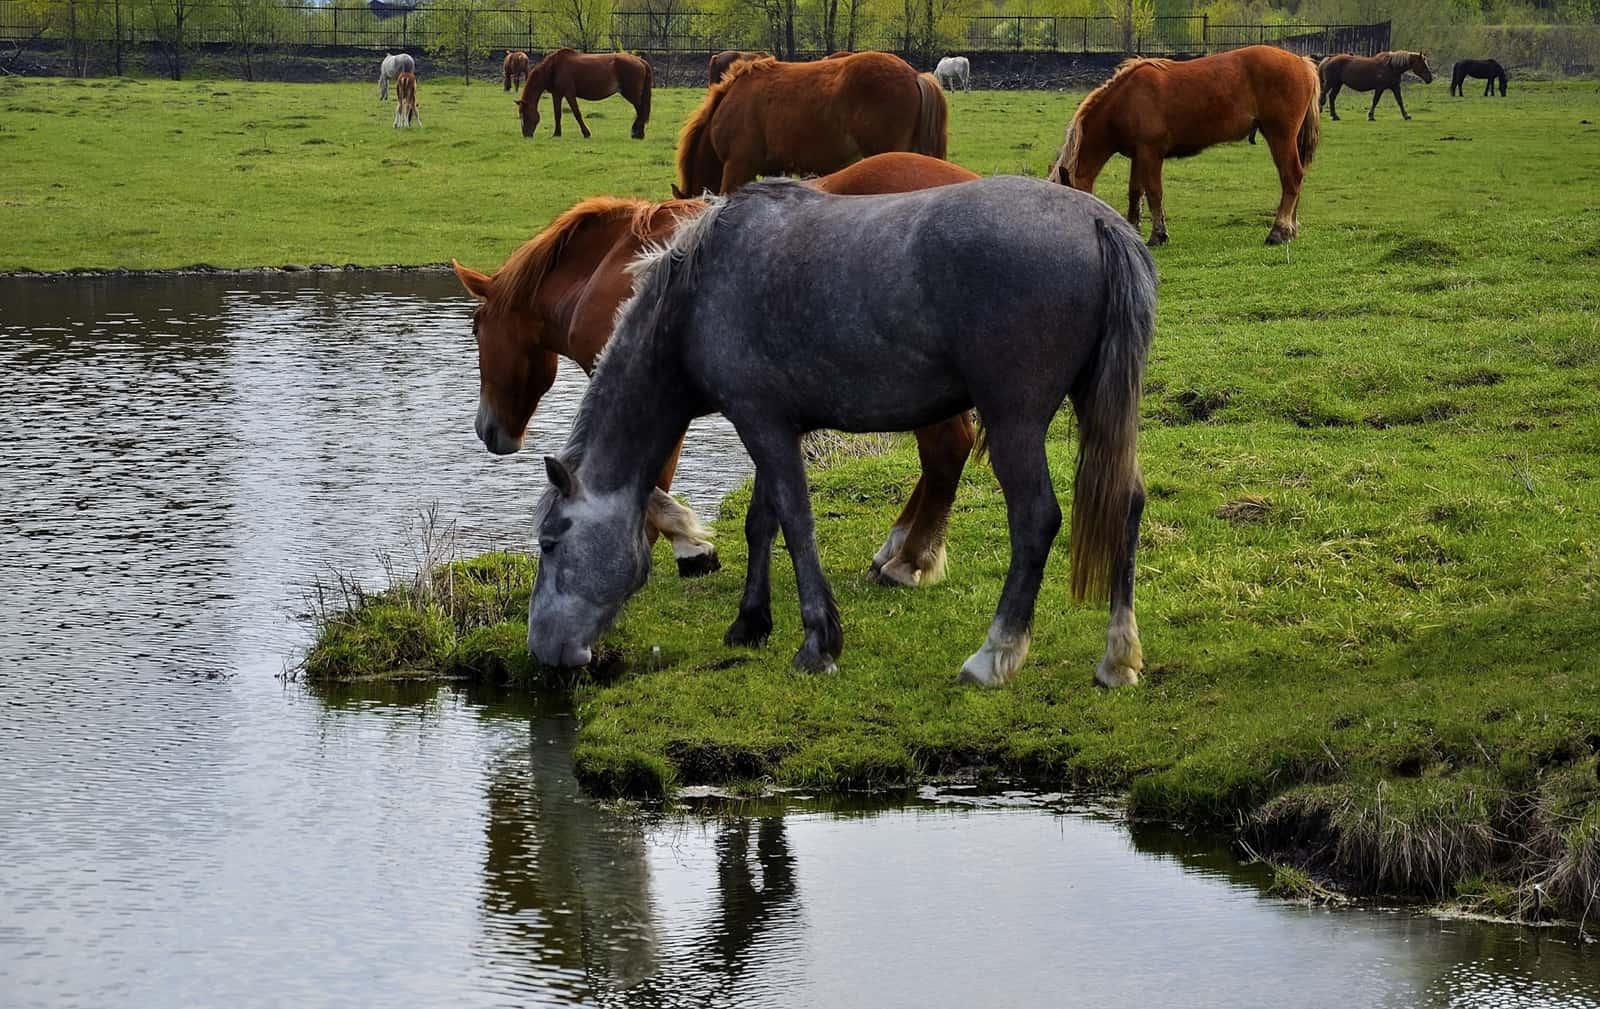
x=391, y=68
x=787, y=310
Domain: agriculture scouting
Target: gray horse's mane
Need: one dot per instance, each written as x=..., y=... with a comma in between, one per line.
x=662, y=272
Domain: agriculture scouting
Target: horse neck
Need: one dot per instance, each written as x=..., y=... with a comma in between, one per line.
x=583, y=288
x=636, y=411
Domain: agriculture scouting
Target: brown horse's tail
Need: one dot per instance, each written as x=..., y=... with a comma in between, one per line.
x=1311, y=124
x=1108, y=474
x=931, y=136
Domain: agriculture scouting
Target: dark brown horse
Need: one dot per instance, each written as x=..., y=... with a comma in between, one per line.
x=571, y=75
x=717, y=66
x=1377, y=74
x=771, y=118
x=1489, y=71
x=1154, y=109
x=559, y=293
x=514, y=69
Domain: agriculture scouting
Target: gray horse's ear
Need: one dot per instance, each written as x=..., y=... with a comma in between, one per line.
x=561, y=478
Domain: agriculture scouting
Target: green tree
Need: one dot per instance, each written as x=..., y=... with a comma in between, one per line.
x=460, y=33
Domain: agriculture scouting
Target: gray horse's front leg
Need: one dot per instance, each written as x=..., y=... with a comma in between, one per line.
x=781, y=469
x=754, y=623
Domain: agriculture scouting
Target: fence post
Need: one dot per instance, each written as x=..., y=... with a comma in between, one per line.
x=336, y=24
x=530, y=31
x=1205, y=33
x=405, y=24
x=1086, y=36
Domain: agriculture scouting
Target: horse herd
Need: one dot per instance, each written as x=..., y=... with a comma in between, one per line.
x=790, y=306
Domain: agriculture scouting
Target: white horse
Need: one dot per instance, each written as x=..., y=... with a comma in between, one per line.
x=392, y=65
x=953, y=70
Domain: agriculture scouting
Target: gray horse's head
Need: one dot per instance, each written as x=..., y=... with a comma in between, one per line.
x=593, y=555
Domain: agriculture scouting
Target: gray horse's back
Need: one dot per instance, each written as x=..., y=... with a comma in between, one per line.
x=909, y=305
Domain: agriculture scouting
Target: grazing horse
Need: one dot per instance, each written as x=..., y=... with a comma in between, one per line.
x=953, y=70
x=787, y=309
x=768, y=118
x=717, y=66
x=514, y=69
x=571, y=75
x=1377, y=74
x=392, y=65
x=1487, y=70
x=405, y=104
x=1155, y=109
x=559, y=295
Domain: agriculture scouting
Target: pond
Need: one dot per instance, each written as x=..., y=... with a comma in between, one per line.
x=181, y=458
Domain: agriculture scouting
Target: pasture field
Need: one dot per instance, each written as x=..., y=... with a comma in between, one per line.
x=1369, y=585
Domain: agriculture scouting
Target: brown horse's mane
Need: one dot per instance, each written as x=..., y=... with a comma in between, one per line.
x=701, y=117
x=1399, y=58
x=518, y=280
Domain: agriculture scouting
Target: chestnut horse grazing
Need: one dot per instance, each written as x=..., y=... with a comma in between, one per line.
x=559, y=294
x=786, y=309
x=770, y=118
x=717, y=66
x=571, y=75
x=1154, y=109
x=514, y=69
x=405, y=100
x=1377, y=74
x=1489, y=71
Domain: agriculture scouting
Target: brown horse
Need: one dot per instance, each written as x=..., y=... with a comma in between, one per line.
x=717, y=66
x=514, y=69
x=571, y=75
x=559, y=293
x=1154, y=109
x=405, y=100
x=769, y=118
x=1377, y=74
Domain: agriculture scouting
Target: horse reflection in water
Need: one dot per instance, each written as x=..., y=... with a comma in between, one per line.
x=567, y=891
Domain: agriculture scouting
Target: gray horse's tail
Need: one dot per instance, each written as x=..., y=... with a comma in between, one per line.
x=1108, y=414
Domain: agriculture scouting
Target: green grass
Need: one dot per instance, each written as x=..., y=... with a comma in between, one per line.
x=1371, y=559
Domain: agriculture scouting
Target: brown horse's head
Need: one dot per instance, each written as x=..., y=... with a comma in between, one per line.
x=514, y=369
x=532, y=91
x=528, y=110
x=1417, y=63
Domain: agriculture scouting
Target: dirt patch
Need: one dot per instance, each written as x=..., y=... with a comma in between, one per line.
x=1245, y=510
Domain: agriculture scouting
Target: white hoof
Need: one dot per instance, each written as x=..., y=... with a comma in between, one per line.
x=897, y=572
x=1112, y=676
x=994, y=663
x=891, y=546
x=1124, y=656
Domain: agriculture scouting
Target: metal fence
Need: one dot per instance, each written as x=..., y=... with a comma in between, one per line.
x=265, y=24
x=1162, y=36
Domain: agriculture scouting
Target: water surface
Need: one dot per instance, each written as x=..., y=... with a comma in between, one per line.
x=181, y=458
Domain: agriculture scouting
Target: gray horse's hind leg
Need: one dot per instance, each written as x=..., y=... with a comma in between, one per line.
x=781, y=468
x=1034, y=518
x=754, y=623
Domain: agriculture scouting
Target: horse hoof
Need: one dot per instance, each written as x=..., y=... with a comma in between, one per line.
x=813, y=660
x=1114, y=676
x=1157, y=238
x=897, y=574
x=749, y=630
x=1278, y=237
x=696, y=567
x=994, y=663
